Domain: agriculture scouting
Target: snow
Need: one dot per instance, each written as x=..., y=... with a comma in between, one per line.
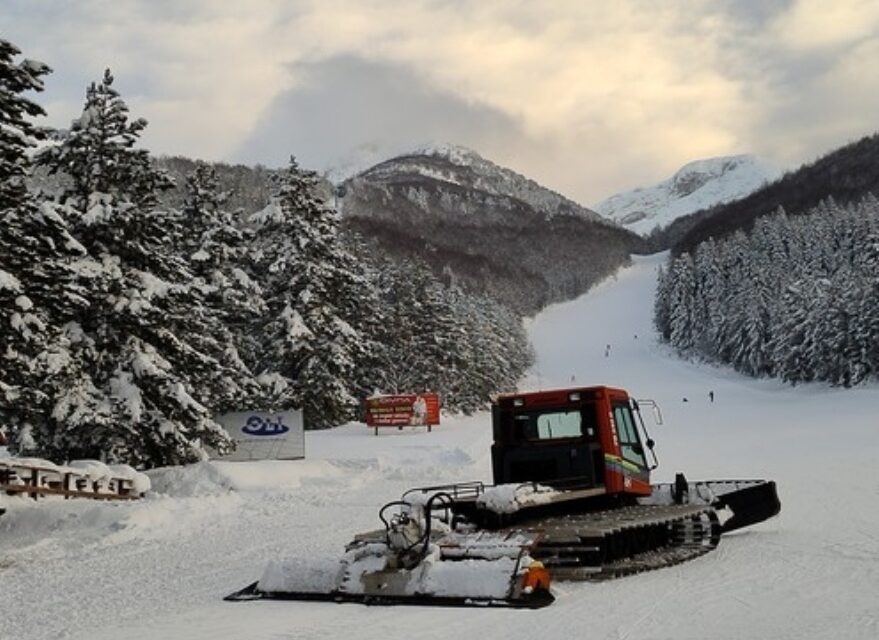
x=128, y=394
x=509, y=498
x=296, y=327
x=92, y=468
x=153, y=286
x=697, y=185
x=159, y=567
x=9, y=281
x=469, y=578
x=140, y=482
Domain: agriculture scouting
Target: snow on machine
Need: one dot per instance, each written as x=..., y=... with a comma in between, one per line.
x=571, y=500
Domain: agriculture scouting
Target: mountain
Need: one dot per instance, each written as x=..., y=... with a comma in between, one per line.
x=457, y=165
x=846, y=175
x=697, y=185
x=483, y=226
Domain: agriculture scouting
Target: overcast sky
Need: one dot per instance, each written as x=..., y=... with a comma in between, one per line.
x=588, y=97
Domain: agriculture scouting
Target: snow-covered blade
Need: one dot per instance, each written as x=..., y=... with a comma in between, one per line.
x=485, y=569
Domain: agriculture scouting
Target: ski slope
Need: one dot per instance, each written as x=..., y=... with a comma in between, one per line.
x=159, y=567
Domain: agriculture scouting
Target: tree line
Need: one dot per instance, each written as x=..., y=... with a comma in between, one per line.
x=796, y=298
x=128, y=325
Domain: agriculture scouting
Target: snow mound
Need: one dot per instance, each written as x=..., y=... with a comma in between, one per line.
x=216, y=477
x=140, y=482
x=95, y=469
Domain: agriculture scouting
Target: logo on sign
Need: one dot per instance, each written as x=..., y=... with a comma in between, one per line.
x=256, y=426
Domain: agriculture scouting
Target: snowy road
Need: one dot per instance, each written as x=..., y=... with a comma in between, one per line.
x=159, y=568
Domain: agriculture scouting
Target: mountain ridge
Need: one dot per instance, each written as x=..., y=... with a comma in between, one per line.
x=484, y=227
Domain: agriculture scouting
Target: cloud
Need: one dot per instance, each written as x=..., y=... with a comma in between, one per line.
x=588, y=98
x=347, y=103
x=815, y=24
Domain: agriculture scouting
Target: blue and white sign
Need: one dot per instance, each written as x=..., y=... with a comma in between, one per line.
x=263, y=435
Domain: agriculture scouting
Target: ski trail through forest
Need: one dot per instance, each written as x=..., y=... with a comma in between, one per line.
x=159, y=568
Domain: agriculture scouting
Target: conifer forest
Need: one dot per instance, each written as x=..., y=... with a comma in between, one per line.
x=129, y=324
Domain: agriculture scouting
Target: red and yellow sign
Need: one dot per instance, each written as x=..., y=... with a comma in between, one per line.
x=404, y=410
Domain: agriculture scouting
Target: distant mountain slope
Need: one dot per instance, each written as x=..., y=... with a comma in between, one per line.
x=464, y=167
x=485, y=227
x=846, y=175
x=697, y=185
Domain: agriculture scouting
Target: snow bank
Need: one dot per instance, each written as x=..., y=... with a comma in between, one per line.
x=95, y=469
x=218, y=477
x=140, y=482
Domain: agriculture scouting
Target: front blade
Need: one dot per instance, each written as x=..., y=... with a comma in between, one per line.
x=479, y=569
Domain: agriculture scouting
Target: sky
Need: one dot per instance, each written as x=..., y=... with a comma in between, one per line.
x=587, y=97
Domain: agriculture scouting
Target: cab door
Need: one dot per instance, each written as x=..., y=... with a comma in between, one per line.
x=631, y=462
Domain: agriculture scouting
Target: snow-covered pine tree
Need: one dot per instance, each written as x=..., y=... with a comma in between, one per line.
x=497, y=355
x=797, y=297
x=662, y=304
x=868, y=265
x=37, y=284
x=17, y=133
x=99, y=156
x=214, y=246
x=791, y=343
x=423, y=343
x=681, y=303
x=708, y=283
x=140, y=360
x=314, y=292
x=442, y=339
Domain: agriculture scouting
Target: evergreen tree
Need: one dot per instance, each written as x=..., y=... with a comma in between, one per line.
x=38, y=288
x=796, y=298
x=17, y=133
x=682, y=303
x=98, y=154
x=498, y=352
x=868, y=312
x=436, y=338
x=141, y=361
x=215, y=247
x=425, y=341
x=314, y=292
x=662, y=304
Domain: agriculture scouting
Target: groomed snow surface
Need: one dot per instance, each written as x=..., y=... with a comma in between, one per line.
x=158, y=568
